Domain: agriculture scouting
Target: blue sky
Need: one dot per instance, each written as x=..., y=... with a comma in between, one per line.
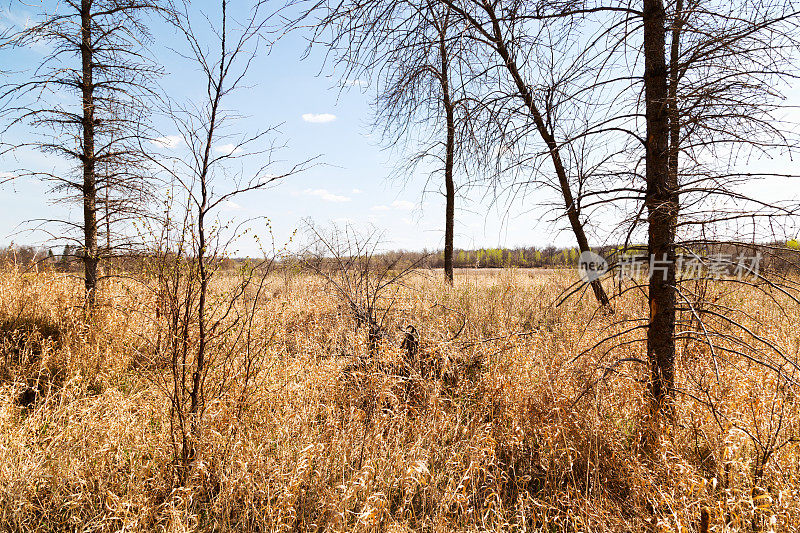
x=316, y=118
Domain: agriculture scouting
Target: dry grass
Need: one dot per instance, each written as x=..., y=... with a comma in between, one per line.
x=325, y=444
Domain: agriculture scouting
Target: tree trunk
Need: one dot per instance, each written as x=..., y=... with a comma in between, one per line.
x=450, y=190
x=90, y=256
x=563, y=181
x=662, y=209
x=569, y=202
x=197, y=394
x=108, y=212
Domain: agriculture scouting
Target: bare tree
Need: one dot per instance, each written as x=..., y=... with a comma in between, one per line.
x=661, y=204
x=510, y=46
x=87, y=101
x=423, y=72
x=715, y=103
x=211, y=172
x=673, y=109
x=365, y=280
x=441, y=26
x=489, y=41
x=710, y=100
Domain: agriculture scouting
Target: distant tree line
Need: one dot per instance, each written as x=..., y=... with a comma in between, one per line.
x=70, y=259
x=772, y=257
x=521, y=257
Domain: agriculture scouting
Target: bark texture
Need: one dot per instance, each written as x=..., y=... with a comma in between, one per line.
x=661, y=206
x=90, y=255
x=450, y=188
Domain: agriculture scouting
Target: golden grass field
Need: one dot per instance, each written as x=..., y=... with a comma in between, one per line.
x=517, y=432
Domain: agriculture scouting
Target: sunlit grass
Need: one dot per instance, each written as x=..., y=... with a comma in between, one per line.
x=533, y=440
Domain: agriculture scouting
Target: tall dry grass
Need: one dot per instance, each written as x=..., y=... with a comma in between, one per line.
x=512, y=432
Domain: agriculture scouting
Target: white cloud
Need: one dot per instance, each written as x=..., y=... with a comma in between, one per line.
x=326, y=195
x=357, y=191
x=353, y=83
x=228, y=205
x=319, y=118
x=227, y=149
x=168, y=141
x=403, y=205
x=21, y=20
x=397, y=205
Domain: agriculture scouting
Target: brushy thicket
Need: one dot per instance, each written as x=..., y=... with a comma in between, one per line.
x=511, y=432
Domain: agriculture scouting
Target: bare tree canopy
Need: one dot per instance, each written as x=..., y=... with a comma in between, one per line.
x=426, y=106
x=87, y=102
x=191, y=241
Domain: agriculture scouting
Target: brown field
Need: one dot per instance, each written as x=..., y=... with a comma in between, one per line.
x=517, y=429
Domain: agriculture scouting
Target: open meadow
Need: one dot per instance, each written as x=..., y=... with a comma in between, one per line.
x=395, y=266
x=505, y=417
